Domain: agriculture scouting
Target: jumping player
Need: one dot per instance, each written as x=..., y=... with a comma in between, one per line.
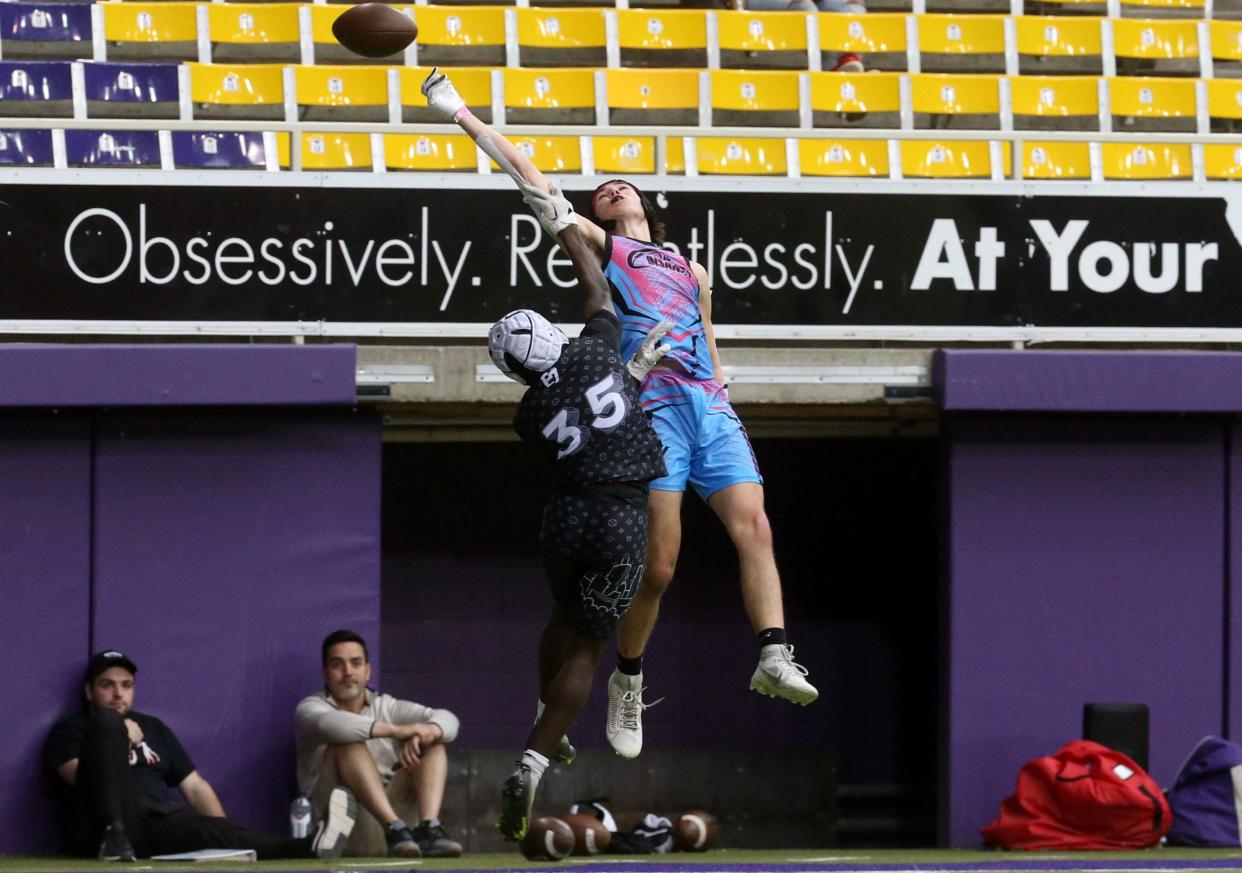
x=704, y=441
x=582, y=416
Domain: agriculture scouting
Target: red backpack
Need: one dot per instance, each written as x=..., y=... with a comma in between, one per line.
x=1086, y=796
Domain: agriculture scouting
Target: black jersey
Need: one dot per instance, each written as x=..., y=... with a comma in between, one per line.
x=583, y=417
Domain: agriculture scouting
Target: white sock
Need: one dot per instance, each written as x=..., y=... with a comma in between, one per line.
x=537, y=764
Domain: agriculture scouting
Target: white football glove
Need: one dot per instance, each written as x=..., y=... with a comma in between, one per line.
x=554, y=212
x=649, y=354
x=441, y=95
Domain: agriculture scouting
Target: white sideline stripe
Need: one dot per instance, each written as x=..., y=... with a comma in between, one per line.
x=829, y=858
x=1236, y=774
x=408, y=862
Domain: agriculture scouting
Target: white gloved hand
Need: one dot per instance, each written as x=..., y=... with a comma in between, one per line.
x=554, y=212
x=441, y=95
x=649, y=354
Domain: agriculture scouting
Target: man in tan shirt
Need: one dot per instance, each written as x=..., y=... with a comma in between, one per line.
x=390, y=753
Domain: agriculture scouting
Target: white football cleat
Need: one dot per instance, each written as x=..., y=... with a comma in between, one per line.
x=625, y=714
x=778, y=676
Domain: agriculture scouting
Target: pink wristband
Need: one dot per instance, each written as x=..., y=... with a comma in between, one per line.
x=462, y=113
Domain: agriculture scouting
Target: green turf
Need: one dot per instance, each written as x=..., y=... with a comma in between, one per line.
x=511, y=861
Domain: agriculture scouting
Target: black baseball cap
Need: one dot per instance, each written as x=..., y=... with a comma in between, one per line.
x=101, y=661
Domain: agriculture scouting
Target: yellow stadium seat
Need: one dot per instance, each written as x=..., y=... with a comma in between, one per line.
x=1225, y=102
x=149, y=31
x=662, y=38
x=766, y=98
x=1056, y=160
x=550, y=154
x=757, y=40
x=474, y=84
x=549, y=96
x=1150, y=103
x=1226, y=39
x=1059, y=44
x=966, y=100
x=958, y=42
x=949, y=160
x=561, y=37
x=254, y=31
x=470, y=35
x=1189, y=6
x=741, y=157
x=1145, y=161
x=675, y=155
x=336, y=151
x=838, y=97
x=853, y=157
x=624, y=155
x=1222, y=161
x=1055, y=102
x=254, y=91
x=648, y=96
x=342, y=93
x=1147, y=45
x=432, y=153
x=880, y=36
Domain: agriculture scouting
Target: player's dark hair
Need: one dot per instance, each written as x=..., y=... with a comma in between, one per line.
x=654, y=225
x=342, y=636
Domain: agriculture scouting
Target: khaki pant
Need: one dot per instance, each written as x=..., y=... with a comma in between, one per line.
x=367, y=838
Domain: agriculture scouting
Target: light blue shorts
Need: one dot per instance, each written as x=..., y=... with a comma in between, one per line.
x=704, y=441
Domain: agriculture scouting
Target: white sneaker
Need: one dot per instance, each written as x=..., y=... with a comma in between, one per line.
x=778, y=676
x=333, y=832
x=625, y=713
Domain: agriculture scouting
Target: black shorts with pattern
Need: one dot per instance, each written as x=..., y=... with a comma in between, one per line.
x=594, y=545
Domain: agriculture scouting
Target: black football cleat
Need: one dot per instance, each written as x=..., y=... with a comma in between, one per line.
x=115, y=845
x=517, y=796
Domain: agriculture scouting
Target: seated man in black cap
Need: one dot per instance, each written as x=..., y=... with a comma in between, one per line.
x=117, y=764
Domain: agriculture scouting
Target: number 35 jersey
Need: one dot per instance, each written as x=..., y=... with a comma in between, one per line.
x=583, y=416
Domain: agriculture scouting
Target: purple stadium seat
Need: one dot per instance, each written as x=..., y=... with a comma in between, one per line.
x=119, y=148
x=129, y=88
x=219, y=151
x=25, y=148
x=46, y=29
x=36, y=88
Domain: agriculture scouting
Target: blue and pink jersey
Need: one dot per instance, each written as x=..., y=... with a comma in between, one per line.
x=650, y=285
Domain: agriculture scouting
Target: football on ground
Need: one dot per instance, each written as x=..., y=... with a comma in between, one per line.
x=547, y=839
x=695, y=831
x=374, y=30
x=590, y=835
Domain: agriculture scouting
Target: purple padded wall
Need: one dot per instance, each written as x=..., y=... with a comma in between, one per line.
x=45, y=465
x=177, y=375
x=1085, y=563
x=228, y=545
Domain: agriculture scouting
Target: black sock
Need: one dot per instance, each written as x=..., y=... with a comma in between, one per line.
x=772, y=636
x=630, y=666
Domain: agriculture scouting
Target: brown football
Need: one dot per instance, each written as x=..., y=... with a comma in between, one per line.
x=547, y=839
x=695, y=831
x=590, y=835
x=374, y=30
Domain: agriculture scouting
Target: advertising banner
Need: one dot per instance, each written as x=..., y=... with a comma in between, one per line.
x=468, y=255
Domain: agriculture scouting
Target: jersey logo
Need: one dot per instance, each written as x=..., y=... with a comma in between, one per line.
x=550, y=378
x=640, y=259
x=149, y=755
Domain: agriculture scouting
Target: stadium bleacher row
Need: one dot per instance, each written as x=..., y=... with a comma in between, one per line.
x=601, y=70
x=515, y=37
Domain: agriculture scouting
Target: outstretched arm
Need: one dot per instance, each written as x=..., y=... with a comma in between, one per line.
x=586, y=268
x=444, y=99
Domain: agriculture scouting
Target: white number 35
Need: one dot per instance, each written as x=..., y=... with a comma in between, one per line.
x=608, y=404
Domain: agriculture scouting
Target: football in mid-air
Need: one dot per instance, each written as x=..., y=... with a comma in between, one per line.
x=374, y=30
x=547, y=839
x=695, y=831
x=590, y=835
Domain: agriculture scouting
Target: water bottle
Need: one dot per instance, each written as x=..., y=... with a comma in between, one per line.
x=300, y=817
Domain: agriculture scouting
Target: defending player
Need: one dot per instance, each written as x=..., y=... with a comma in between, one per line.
x=581, y=414
x=705, y=442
